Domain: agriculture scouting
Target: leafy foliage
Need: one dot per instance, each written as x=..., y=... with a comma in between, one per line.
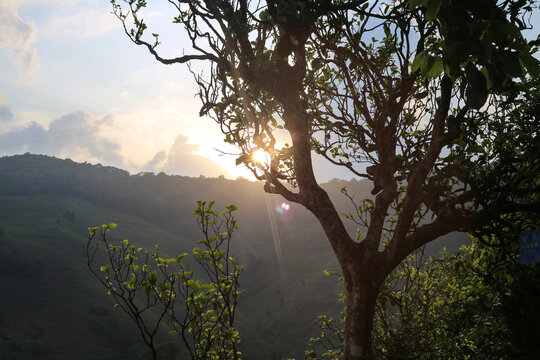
x=477, y=303
x=499, y=154
x=388, y=92
x=329, y=344
x=151, y=289
x=442, y=309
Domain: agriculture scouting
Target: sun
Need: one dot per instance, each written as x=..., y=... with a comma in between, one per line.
x=261, y=157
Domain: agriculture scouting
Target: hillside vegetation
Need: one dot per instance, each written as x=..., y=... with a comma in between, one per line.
x=52, y=308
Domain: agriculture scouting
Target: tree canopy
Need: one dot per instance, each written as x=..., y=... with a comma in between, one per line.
x=400, y=93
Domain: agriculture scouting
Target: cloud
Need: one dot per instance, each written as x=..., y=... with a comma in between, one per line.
x=157, y=162
x=82, y=137
x=11, y=3
x=77, y=136
x=5, y=114
x=17, y=36
x=181, y=159
x=82, y=25
x=14, y=3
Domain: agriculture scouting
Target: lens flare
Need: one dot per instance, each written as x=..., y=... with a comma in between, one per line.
x=285, y=206
x=261, y=157
x=275, y=236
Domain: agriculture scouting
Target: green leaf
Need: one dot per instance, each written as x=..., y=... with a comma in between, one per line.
x=328, y=273
x=485, y=72
x=511, y=63
x=181, y=257
x=417, y=61
x=415, y=3
x=242, y=159
x=436, y=68
x=426, y=65
x=92, y=230
x=476, y=93
x=531, y=63
x=432, y=10
x=476, y=148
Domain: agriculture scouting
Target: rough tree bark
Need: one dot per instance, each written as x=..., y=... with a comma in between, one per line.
x=362, y=289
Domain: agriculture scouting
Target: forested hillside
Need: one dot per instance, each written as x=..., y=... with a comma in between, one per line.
x=51, y=306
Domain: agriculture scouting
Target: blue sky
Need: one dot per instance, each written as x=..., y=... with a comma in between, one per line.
x=73, y=85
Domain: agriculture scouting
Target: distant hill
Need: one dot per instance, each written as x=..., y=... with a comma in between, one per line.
x=51, y=306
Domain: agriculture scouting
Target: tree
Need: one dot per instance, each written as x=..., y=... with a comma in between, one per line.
x=442, y=308
x=153, y=290
x=468, y=305
x=389, y=91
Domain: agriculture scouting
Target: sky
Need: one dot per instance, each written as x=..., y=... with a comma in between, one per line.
x=72, y=85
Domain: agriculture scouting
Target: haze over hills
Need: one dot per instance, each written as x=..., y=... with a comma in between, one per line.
x=53, y=308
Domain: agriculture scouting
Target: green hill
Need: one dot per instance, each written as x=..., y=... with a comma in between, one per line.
x=52, y=308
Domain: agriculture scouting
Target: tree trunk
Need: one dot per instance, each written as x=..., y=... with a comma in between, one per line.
x=361, y=296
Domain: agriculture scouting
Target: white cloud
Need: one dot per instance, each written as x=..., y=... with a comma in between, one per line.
x=181, y=159
x=82, y=137
x=17, y=36
x=77, y=136
x=11, y=3
x=14, y=3
x=82, y=25
x=158, y=162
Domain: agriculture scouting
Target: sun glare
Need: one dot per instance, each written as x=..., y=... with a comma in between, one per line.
x=261, y=157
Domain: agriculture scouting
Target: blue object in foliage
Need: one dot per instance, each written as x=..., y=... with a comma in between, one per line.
x=529, y=247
